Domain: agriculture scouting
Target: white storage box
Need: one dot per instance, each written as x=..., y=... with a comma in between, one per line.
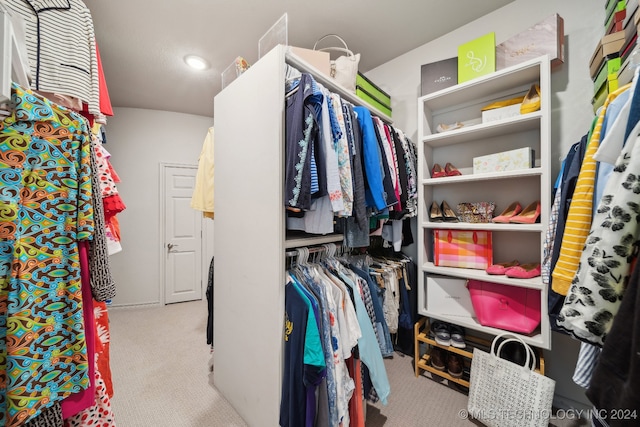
x=501, y=113
x=521, y=158
x=449, y=297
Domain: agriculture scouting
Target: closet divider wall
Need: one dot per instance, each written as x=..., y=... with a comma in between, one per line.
x=250, y=237
x=249, y=241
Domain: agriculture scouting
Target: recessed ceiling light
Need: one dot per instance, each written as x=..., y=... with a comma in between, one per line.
x=196, y=62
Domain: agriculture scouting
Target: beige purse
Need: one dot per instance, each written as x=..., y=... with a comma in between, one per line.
x=344, y=68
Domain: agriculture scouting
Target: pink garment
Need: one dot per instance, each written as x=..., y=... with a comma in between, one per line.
x=100, y=414
x=78, y=402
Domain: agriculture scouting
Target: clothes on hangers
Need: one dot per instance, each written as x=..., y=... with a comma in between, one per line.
x=344, y=167
x=202, y=197
x=580, y=210
x=348, y=332
x=47, y=209
x=615, y=386
x=52, y=28
x=604, y=267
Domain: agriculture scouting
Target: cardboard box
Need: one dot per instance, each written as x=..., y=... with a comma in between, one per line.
x=613, y=43
x=596, y=61
x=477, y=57
x=610, y=45
x=449, y=297
x=316, y=58
x=500, y=113
x=544, y=38
x=521, y=158
x=438, y=75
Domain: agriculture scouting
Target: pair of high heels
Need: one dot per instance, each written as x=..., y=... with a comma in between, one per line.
x=515, y=214
x=442, y=212
x=449, y=170
x=528, y=103
x=531, y=100
x=515, y=270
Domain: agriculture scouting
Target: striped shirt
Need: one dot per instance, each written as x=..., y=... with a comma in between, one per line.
x=61, y=48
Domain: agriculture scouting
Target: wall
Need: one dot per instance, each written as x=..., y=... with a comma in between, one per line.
x=139, y=140
x=572, y=90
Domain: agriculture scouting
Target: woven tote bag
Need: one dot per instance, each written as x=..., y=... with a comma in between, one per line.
x=505, y=394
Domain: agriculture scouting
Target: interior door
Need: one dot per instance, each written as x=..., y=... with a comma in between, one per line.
x=183, y=275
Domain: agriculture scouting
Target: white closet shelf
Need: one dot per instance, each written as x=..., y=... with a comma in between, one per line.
x=518, y=75
x=489, y=226
x=525, y=122
x=470, y=273
x=303, y=66
x=311, y=241
x=534, y=339
x=522, y=173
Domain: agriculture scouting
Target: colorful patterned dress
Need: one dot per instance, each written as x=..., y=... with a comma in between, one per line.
x=45, y=208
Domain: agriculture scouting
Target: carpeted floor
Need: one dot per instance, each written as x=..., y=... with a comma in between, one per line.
x=160, y=367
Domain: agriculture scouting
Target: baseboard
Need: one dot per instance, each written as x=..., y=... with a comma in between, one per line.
x=137, y=305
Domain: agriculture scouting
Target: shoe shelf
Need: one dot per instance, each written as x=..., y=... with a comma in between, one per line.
x=486, y=226
x=422, y=362
x=425, y=365
x=461, y=179
x=511, y=125
x=463, y=103
x=470, y=273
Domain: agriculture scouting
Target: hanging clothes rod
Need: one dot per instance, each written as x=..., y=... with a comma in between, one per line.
x=312, y=250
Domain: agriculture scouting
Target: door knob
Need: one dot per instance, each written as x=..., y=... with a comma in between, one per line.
x=170, y=246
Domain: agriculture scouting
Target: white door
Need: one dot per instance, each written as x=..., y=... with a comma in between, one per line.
x=182, y=248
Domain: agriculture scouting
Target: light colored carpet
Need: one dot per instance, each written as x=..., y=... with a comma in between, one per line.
x=160, y=367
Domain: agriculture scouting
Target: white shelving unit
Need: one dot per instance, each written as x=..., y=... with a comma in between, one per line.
x=460, y=103
x=250, y=237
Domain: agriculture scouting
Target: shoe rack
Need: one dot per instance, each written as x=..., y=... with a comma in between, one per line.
x=422, y=360
x=462, y=103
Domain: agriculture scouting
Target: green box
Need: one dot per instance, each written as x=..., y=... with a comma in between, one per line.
x=613, y=65
x=600, y=79
x=362, y=94
x=477, y=57
x=372, y=90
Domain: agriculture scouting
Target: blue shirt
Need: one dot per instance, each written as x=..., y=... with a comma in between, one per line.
x=374, y=188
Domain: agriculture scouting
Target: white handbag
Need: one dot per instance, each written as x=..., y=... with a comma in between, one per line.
x=344, y=69
x=505, y=394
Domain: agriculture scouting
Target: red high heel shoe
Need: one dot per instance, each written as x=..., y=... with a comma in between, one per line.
x=437, y=171
x=529, y=215
x=451, y=170
x=514, y=209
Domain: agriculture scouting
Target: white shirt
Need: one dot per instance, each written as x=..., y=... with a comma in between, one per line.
x=61, y=48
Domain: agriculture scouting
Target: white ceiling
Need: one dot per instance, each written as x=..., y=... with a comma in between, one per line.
x=142, y=43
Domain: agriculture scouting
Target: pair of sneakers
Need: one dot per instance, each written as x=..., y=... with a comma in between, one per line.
x=448, y=334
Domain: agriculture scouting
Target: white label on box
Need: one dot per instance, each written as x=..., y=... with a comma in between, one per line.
x=522, y=158
x=448, y=296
